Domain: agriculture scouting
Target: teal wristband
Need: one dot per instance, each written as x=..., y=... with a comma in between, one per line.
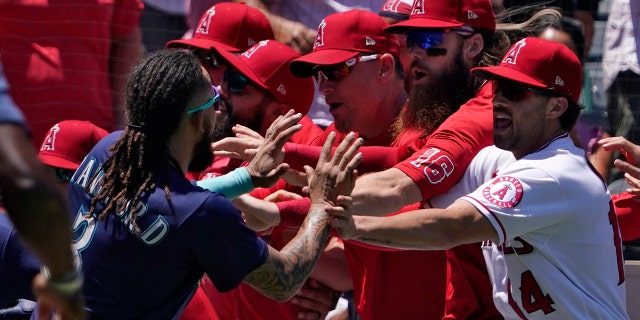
x=231, y=185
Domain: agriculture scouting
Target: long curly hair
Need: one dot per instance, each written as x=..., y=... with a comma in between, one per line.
x=159, y=89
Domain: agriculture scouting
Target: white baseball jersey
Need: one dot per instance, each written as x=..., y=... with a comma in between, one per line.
x=559, y=251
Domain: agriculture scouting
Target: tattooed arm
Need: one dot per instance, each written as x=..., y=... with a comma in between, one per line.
x=285, y=271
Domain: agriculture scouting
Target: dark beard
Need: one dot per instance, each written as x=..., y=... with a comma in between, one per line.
x=225, y=123
x=202, y=156
x=433, y=102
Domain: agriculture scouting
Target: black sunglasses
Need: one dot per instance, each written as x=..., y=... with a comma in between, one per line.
x=208, y=58
x=515, y=91
x=236, y=82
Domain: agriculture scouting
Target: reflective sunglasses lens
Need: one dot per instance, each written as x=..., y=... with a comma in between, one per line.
x=424, y=40
x=331, y=73
x=235, y=81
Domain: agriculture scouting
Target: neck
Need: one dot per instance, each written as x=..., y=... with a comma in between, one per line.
x=179, y=151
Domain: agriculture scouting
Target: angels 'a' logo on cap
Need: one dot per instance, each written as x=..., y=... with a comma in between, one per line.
x=203, y=28
x=50, y=140
x=320, y=36
x=247, y=54
x=418, y=7
x=513, y=53
x=504, y=191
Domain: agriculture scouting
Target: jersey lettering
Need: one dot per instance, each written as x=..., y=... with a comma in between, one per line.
x=436, y=169
x=156, y=232
x=533, y=299
x=84, y=226
x=518, y=246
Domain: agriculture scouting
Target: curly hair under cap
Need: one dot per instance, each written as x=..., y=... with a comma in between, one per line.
x=159, y=89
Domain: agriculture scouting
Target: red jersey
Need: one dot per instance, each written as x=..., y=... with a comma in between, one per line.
x=435, y=168
x=387, y=284
x=628, y=212
x=56, y=58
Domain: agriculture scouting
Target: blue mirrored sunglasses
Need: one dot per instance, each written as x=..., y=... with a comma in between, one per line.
x=425, y=39
x=215, y=102
x=236, y=82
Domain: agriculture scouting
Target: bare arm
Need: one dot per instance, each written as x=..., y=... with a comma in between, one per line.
x=384, y=192
x=427, y=229
x=39, y=213
x=285, y=271
x=292, y=33
x=125, y=51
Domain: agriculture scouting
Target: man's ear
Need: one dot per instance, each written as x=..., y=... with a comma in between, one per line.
x=473, y=46
x=197, y=121
x=386, y=67
x=557, y=107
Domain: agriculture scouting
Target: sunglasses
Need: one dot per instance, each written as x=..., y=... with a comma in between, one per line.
x=207, y=58
x=428, y=39
x=236, y=82
x=63, y=175
x=515, y=91
x=214, y=101
x=339, y=71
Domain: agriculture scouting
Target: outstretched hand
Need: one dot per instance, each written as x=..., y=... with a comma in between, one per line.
x=334, y=175
x=243, y=146
x=630, y=167
x=267, y=167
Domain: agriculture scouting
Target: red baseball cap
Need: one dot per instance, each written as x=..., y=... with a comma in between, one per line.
x=267, y=65
x=229, y=26
x=443, y=14
x=397, y=9
x=344, y=35
x=539, y=63
x=67, y=142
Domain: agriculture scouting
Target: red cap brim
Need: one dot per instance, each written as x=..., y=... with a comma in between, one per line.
x=239, y=64
x=302, y=67
x=507, y=73
x=420, y=23
x=204, y=44
x=58, y=162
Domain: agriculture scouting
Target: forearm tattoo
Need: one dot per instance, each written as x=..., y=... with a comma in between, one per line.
x=284, y=272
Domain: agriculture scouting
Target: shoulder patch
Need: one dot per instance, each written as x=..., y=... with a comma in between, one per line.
x=504, y=191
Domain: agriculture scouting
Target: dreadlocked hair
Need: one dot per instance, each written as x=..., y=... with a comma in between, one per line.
x=159, y=88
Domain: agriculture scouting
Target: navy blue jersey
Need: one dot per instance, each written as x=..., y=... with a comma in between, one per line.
x=18, y=266
x=152, y=276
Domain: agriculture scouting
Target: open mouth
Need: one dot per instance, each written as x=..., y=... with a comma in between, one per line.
x=334, y=105
x=501, y=122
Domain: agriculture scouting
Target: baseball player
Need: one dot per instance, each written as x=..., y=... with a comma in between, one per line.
x=145, y=235
x=544, y=216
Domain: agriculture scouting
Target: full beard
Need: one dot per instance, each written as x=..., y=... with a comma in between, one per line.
x=202, y=155
x=432, y=102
